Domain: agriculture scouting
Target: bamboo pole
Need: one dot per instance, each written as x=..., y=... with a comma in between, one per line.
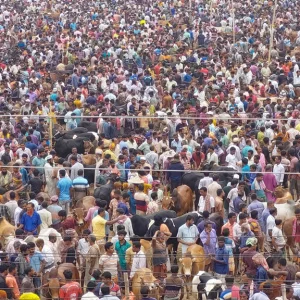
x=126, y=282
x=272, y=32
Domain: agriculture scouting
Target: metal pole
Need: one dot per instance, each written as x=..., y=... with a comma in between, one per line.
x=272, y=32
x=233, y=22
x=50, y=124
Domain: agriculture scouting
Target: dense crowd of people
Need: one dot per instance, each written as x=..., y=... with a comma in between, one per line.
x=172, y=88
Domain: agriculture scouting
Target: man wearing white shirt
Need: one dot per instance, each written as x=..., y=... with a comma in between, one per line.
x=48, y=257
x=278, y=170
x=23, y=150
x=89, y=295
x=214, y=186
x=206, y=201
x=271, y=223
x=205, y=181
x=46, y=216
x=231, y=159
x=296, y=81
x=212, y=156
x=139, y=259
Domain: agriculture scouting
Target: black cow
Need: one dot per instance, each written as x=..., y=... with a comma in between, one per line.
x=90, y=126
x=205, y=283
x=140, y=224
x=64, y=147
x=87, y=135
x=71, y=133
x=103, y=192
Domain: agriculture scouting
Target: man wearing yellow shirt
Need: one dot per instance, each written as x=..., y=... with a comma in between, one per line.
x=98, y=225
x=110, y=151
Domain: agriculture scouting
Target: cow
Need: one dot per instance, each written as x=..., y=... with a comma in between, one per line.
x=191, y=264
x=204, y=284
x=70, y=133
x=6, y=196
x=90, y=126
x=140, y=224
x=64, y=147
x=43, y=196
x=6, y=231
x=103, y=192
x=142, y=277
x=86, y=203
x=88, y=135
x=181, y=201
x=57, y=279
x=287, y=229
x=88, y=159
x=78, y=214
x=282, y=195
x=286, y=210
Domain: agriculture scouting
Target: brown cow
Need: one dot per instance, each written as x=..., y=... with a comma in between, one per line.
x=282, y=195
x=57, y=279
x=86, y=202
x=44, y=196
x=6, y=231
x=6, y=196
x=78, y=214
x=181, y=201
x=142, y=277
x=88, y=147
x=191, y=264
x=89, y=159
x=287, y=229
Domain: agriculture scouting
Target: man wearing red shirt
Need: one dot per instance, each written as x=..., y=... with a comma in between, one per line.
x=71, y=290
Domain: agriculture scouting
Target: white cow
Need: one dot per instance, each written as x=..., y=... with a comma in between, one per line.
x=286, y=210
x=208, y=284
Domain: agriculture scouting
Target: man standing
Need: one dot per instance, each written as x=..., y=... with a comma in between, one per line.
x=12, y=205
x=174, y=285
x=71, y=290
x=99, y=224
x=38, y=263
x=278, y=170
x=221, y=259
x=49, y=176
x=64, y=186
x=209, y=240
x=214, y=186
x=139, y=259
x=45, y=215
x=206, y=201
x=175, y=172
x=76, y=166
x=30, y=220
x=110, y=261
x=92, y=259
x=12, y=282
x=80, y=187
x=121, y=246
x=54, y=208
x=187, y=234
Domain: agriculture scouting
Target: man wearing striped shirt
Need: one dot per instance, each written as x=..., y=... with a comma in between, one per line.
x=80, y=186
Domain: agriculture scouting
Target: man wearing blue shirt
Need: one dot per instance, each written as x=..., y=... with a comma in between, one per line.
x=30, y=221
x=37, y=263
x=220, y=260
x=64, y=186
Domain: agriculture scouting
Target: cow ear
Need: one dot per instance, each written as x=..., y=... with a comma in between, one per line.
x=180, y=259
